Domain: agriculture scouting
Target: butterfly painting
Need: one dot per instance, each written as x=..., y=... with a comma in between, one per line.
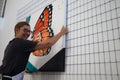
x=45, y=23
x=42, y=30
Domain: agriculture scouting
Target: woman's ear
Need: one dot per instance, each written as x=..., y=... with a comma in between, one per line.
x=17, y=30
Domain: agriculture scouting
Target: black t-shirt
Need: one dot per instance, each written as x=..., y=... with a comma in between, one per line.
x=16, y=56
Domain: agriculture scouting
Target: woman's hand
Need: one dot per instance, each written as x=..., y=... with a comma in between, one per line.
x=64, y=30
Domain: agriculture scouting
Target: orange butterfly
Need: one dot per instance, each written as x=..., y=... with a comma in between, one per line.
x=42, y=30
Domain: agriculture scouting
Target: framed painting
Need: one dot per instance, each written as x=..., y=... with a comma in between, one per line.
x=45, y=23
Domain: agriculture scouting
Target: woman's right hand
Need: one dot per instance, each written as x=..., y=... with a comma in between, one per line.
x=64, y=30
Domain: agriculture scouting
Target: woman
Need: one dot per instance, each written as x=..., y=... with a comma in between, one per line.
x=18, y=50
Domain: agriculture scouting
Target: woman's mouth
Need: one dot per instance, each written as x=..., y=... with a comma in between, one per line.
x=26, y=36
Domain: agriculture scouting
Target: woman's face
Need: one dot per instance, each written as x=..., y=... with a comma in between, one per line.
x=24, y=32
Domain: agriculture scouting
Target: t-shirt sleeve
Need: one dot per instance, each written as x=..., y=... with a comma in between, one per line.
x=26, y=45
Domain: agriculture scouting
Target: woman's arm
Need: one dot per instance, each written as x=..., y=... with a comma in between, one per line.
x=51, y=41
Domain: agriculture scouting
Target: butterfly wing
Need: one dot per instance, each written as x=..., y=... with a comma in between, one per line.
x=42, y=30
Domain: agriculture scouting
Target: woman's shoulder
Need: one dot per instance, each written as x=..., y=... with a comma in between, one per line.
x=18, y=40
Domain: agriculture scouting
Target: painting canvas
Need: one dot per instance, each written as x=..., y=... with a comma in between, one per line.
x=45, y=23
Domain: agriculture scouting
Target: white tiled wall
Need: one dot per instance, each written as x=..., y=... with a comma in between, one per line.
x=93, y=41
x=93, y=50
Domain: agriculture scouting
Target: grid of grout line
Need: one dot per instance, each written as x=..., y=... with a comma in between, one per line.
x=93, y=41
